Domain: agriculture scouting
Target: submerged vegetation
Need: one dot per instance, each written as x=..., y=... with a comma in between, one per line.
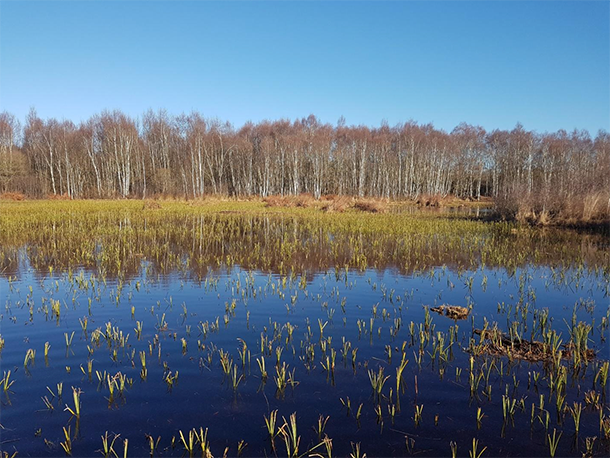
x=225, y=328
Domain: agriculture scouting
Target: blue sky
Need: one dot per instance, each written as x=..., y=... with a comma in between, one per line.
x=544, y=64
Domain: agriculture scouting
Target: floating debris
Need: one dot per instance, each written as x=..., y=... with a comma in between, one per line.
x=455, y=312
x=494, y=342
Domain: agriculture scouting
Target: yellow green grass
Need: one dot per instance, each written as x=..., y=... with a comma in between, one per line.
x=116, y=236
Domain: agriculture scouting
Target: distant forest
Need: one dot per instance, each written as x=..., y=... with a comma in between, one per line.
x=112, y=155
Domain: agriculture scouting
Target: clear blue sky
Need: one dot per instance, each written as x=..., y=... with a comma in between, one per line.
x=545, y=64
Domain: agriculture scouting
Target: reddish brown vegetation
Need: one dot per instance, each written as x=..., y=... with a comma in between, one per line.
x=428, y=201
x=370, y=205
x=16, y=196
x=587, y=209
x=337, y=204
x=329, y=203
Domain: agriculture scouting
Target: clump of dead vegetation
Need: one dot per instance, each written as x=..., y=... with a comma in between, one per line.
x=298, y=201
x=213, y=199
x=329, y=203
x=15, y=196
x=584, y=209
x=333, y=203
x=429, y=200
x=495, y=342
x=371, y=205
x=455, y=312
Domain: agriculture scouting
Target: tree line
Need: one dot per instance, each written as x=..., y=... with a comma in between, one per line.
x=114, y=155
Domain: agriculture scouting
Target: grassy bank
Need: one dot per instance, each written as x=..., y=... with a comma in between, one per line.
x=589, y=211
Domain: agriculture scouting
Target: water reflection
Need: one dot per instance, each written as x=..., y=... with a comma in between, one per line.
x=193, y=244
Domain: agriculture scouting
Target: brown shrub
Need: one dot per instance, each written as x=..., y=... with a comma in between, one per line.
x=594, y=208
x=16, y=196
x=429, y=200
x=274, y=201
x=590, y=208
x=303, y=200
x=336, y=203
x=370, y=205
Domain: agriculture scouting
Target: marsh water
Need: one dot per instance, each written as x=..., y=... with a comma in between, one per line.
x=164, y=321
